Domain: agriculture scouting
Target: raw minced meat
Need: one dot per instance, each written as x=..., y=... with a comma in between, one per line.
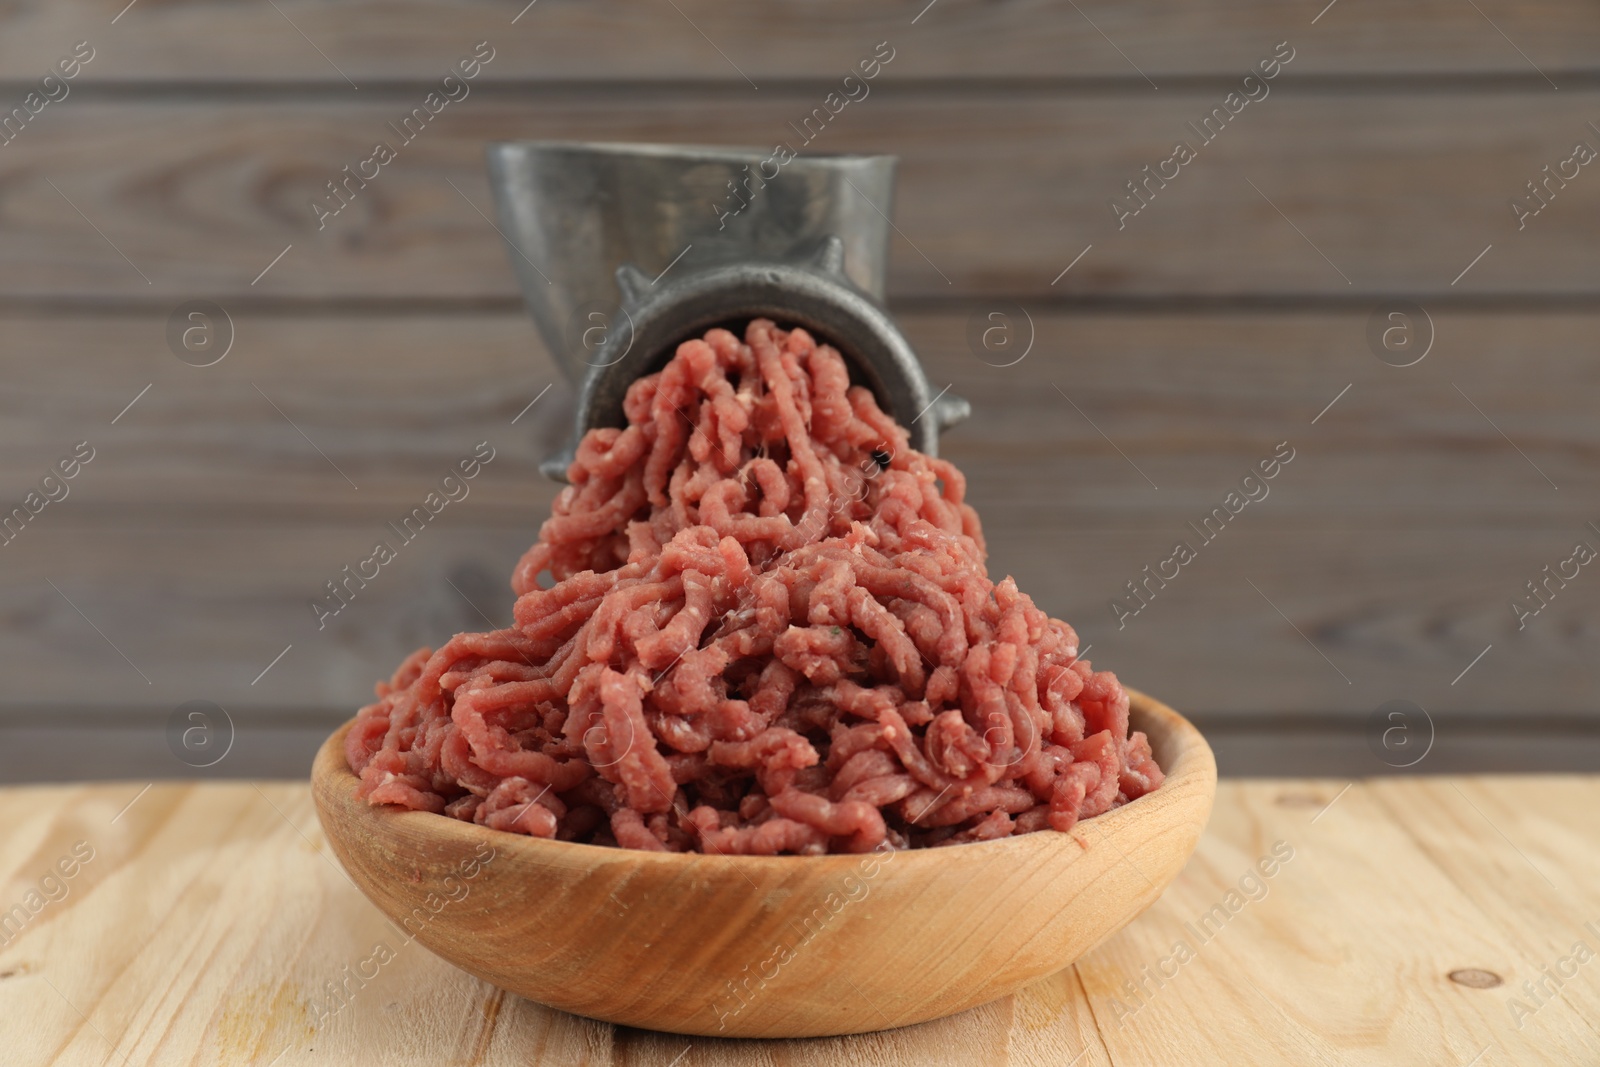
x=768, y=629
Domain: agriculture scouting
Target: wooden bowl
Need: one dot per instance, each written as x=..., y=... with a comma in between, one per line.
x=770, y=946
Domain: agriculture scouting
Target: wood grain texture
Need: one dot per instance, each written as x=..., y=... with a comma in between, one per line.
x=564, y=40
x=1534, y=876
x=1192, y=399
x=1395, y=540
x=1218, y=322
x=212, y=920
x=204, y=609
x=763, y=946
x=1364, y=930
x=998, y=192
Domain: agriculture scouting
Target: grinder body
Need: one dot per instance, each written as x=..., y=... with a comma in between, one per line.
x=624, y=251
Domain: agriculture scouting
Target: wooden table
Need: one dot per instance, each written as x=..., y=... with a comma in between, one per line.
x=209, y=924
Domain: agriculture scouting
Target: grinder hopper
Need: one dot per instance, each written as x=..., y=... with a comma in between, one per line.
x=625, y=250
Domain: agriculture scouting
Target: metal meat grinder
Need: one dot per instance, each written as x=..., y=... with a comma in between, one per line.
x=626, y=250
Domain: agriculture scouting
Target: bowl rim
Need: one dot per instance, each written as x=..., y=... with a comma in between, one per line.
x=333, y=779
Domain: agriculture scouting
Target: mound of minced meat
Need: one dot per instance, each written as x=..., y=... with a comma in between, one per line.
x=768, y=629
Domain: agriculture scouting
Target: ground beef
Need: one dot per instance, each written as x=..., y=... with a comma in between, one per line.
x=768, y=629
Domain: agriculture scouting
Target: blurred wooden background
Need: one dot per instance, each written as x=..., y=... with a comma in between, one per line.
x=1222, y=320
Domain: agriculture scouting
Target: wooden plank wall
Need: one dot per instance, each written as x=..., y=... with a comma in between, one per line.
x=1221, y=319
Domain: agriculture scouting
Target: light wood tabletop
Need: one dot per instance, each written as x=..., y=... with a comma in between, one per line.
x=1425, y=920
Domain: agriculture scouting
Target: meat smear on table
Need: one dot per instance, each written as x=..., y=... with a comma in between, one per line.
x=757, y=622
